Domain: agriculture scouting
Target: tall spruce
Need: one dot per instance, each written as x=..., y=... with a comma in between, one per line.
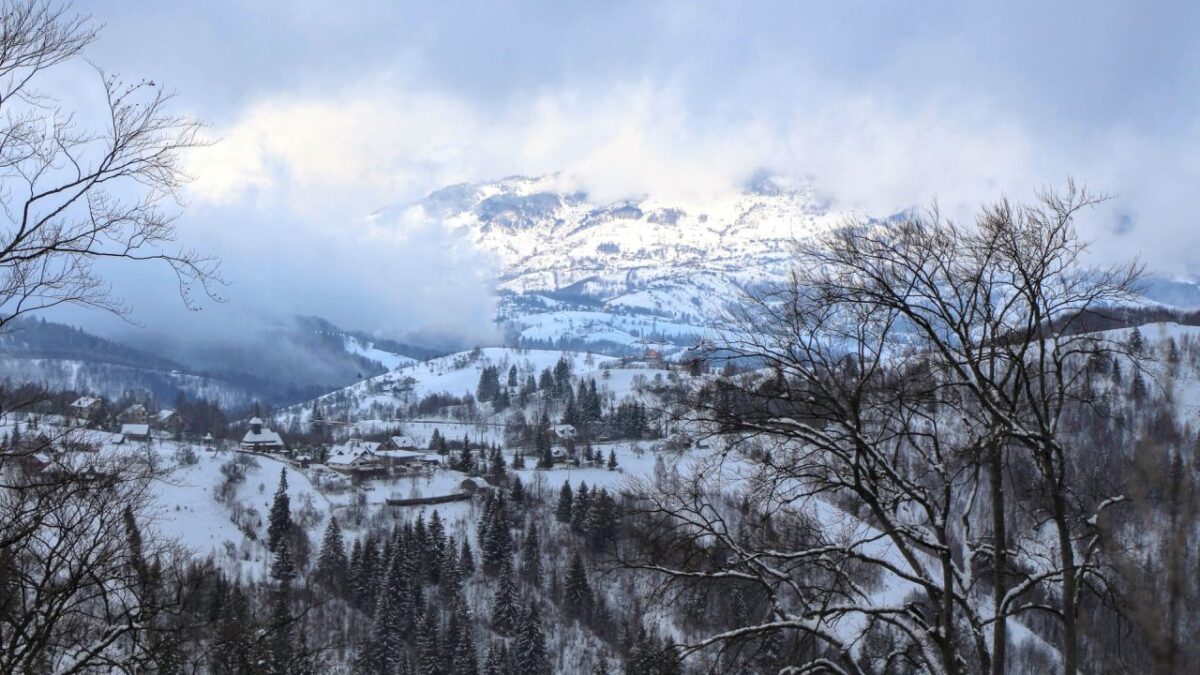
x=531, y=555
x=562, y=513
x=332, y=565
x=577, y=591
x=280, y=522
x=532, y=658
x=506, y=614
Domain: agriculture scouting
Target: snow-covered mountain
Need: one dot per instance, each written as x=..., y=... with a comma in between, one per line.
x=617, y=276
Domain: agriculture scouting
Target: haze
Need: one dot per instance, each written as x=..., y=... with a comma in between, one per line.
x=326, y=113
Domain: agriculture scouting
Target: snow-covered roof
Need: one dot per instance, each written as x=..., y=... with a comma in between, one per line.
x=135, y=429
x=347, y=459
x=400, y=454
x=256, y=420
x=355, y=445
x=135, y=408
x=85, y=402
x=479, y=483
x=563, y=430
x=164, y=415
x=351, y=450
x=264, y=437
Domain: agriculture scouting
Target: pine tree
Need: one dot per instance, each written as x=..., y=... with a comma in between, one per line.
x=531, y=644
x=600, y=524
x=579, y=509
x=283, y=569
x=464, y=660
x=279, y=640
x=497, y=660
x=331, y=560
x=563, y=512
x=466, y=559
x=542, y=443
x=578, y=592
x=517, y=491
x=281, y=514
x=429, y=656
x=1136, y=343
x=505, y=613
x=612, y=460
x=531, y=556
x=496, y=547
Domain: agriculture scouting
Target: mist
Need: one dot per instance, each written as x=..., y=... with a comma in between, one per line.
x=327, y=116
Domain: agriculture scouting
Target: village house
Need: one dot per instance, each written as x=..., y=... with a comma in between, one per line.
x=167, y=420
x=355, y=457
x=403, y=443
x=135, y=414
x=563, y=432
x=261, y=439
x=475, y=485
x=86, y=408
x=135, y=432
x=402, y=461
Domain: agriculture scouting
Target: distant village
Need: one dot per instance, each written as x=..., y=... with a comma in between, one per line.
x=358, y=459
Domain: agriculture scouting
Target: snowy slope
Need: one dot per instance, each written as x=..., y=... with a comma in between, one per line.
x=368, y=350
x=367, y=405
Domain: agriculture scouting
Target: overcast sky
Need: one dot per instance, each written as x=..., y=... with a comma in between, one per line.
x=327, y=111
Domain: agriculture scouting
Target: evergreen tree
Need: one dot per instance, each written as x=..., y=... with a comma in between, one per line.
x=517, y=491
x=466, y=559
x=505, y=613
x=577, y=590
x=531, y=555
x=283, y=568
x=545, y=458
x=280, y=522
x=612, y=460
x=600, y=524
x=279, y=633
x=563, y=512
x=497, y=660
x=562, y=377
x=429, y=656
x=496, y=544
x=1135, y=343
x=579, y=509
x=532, y=658
x=331, y=561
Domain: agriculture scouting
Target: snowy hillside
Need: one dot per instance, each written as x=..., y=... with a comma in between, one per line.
x=377, y=404
x=579, y=274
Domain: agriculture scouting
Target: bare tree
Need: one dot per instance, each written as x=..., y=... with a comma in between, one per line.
x=81, y=587
x=72, y=196
x=901, y=370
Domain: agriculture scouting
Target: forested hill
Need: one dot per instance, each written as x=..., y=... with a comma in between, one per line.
x=40, y=339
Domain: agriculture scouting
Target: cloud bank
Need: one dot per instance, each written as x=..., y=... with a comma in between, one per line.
x=326, y=113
